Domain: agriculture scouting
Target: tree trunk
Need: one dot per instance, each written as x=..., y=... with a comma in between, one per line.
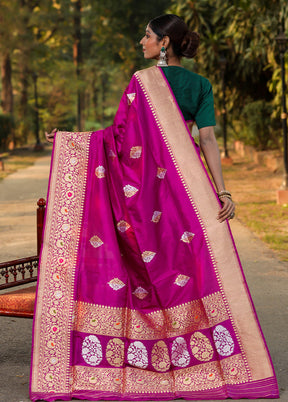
x=7, y=93
x=77, y=55
x=95, y=94
x=23, y=126
x=7, y=90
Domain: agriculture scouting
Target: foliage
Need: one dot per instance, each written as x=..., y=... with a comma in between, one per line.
x=243, y=32
x=43, y=41
x=257, y=128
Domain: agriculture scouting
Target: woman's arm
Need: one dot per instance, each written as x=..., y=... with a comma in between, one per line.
x=209, y=147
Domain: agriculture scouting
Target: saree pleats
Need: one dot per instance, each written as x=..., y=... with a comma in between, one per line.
x=141, y=295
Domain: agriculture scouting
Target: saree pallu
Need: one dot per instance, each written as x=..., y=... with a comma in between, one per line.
x=141, y=295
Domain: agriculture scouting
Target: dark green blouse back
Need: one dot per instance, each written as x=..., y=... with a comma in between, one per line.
x=193, y=93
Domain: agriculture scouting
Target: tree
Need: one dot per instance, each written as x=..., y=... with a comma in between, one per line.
x=105, y=39
x=244, y=33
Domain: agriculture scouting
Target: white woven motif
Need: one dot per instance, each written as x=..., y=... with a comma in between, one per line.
x=137, y=355
x=180, y=356
x=223, y=341
x=92, y=350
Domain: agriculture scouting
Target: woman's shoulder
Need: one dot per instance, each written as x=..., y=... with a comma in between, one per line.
x=187, y=76
x=197, y=77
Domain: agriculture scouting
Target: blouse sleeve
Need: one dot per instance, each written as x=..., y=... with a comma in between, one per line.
x=205, y=114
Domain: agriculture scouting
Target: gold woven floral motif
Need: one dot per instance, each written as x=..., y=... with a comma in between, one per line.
x=182, y=280
x=215, y=308
x=160, y=356
x=148, y=256
x=140, y=292
x=200, y=377
x=135, y=152
x=116, y=284
x=161, y=172
x=201, y=347
x=100, y=172
x=129, y=190
x=122, y=226
x=115, y=352
x=187, y=237
x=131, y=97
x=156, y=216
x=95, y=241
x=176, y=321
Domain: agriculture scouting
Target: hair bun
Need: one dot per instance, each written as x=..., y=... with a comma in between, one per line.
x=190, y=44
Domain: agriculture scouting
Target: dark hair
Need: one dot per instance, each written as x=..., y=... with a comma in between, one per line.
x=184, y=42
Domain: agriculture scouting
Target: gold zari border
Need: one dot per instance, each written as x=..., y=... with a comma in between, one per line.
x=132, y=324
x=55, y=305
x=197, y=378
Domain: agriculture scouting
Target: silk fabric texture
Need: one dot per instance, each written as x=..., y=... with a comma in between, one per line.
x=141, y=295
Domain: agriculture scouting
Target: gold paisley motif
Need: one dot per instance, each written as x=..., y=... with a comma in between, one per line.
x=160, y=356
x=201, y=347
x=115, y=352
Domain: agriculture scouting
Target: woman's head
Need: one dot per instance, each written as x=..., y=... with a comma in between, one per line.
x=184, y=43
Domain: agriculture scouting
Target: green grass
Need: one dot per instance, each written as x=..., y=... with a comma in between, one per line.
x=254, y=189
x=269, y=222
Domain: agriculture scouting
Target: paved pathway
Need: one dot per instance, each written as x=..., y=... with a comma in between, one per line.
x=266, y=275
x=19, y=193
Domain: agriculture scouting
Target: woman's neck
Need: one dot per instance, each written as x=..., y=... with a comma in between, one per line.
x=174, y=61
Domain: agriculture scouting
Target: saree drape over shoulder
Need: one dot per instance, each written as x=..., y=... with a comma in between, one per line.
x=141, y=295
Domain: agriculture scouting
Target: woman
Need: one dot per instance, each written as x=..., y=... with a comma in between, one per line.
x=141, y=295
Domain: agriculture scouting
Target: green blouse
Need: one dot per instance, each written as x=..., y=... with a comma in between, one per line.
x=194, y=95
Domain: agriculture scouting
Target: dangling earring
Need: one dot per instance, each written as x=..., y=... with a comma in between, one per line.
x=162, y=62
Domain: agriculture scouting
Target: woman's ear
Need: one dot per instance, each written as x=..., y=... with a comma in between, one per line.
x=166, y=42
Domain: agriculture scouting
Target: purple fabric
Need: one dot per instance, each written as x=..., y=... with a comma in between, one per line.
x=120, y=256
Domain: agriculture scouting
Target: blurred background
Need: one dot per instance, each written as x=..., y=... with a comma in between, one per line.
x=65, y=64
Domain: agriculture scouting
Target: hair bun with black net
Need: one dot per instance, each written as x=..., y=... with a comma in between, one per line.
x=190, y=44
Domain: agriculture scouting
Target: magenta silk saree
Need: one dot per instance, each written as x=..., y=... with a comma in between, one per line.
x=141, y=295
